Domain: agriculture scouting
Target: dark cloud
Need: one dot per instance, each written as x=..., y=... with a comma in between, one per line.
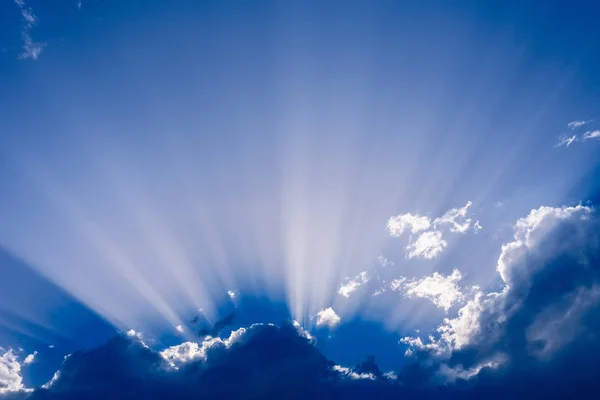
x=543, y=331
x=268, y=363
x=544, y=327
x=214, y=330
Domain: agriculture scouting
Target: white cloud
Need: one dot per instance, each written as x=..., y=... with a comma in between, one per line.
x=352, y=285
x=30, y=358
x=391, y=375
x=384, y=262
x=443, y=291
x=477, y=226
x=351, y=374
x=301, y=331
x=428, y=245
x=179, y=328
x=416, y=223
x=529, y=231
x=232, y=294
x=328, y=317
x=459, y=372
x=51, y=382
x=455, y=333
x=565, y=140
x=31, y=49
x=137, y=335
x=187, y=352
x=577, y=124
x=456, y=218
x=396, y=284
x=10, y=372
x=591, y=135
x=133, y=333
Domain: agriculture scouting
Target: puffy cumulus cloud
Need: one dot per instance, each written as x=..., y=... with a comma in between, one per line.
x=328, y=318
x=536, y=337
x=443, y=291
x=413, y=222
x=186, y=352
x=428, y=245
x=541, y=327
x=11, y=380
x=528, y=233
x=30, y=358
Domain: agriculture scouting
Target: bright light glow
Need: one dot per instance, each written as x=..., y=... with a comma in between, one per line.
x=233, y=179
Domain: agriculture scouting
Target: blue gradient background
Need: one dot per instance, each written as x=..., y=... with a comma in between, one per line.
x=261, y=146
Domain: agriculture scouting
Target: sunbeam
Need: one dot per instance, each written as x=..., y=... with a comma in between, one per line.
x=204, y=178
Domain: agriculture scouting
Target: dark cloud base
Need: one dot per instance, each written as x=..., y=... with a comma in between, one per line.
x=278, y=363
x=545, y=325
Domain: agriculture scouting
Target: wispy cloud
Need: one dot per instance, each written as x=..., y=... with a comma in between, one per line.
x=592, y=135
x=352, y=285
x=31, y=49
x=456, y=219
x=577, y=124
x=565, y=140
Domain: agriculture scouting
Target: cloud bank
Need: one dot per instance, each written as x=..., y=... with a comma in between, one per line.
x=536, y=336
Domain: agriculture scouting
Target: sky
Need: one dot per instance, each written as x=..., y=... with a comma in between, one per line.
x=359, y=198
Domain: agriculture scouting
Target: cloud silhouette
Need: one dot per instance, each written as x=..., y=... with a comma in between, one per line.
x=536, y=337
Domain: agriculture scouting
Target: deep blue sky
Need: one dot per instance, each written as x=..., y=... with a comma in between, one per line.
x=155, y=155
